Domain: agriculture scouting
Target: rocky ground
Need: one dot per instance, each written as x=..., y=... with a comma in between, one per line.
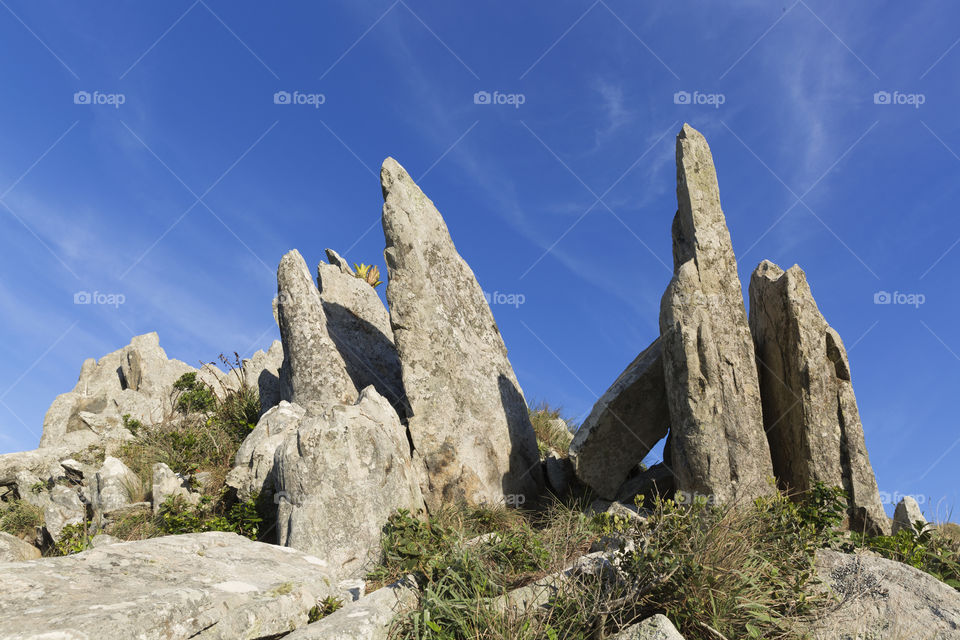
x=378, y=473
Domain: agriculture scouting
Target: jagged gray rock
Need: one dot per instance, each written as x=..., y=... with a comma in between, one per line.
x=253, y=471
x=116, y=486
x=369, y=618
x=469, y=423
x=657, y=627
x=313, y=370
x=907, y=515
x=13, y=549
x=62, y=507
x=809, y=409
x=136, y=381
x=624, y=425
x=880, y=598
x=718, y=447
x=340, y=475
x=359, y=326
x=167, y=484
x=207, y=586
x=261, y=371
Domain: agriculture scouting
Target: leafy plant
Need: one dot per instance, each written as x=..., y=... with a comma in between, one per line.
x=194, y=395
x=368, y=273
x=74, y=538
x=132, y=424
x=20, y=518
x=922, y=547
x=176, y=516
x=324, y=608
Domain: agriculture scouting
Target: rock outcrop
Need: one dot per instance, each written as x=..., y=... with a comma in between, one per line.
x=116, y=486
x=313, y=370
x=657, y=627
x=881, y=598
x=339, y=476
x=253, y=471
x=261, y=372
x=809, y=409
x=624, y=425
x=359, y=326
x=207, y=586
x=136, y=381
x=718, y=445
x=469, y=423
x=907, y=515
x=13, y=549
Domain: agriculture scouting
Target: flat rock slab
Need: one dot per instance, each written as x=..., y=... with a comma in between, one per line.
x=204, y=585
x=880, y=598
x=369, y=618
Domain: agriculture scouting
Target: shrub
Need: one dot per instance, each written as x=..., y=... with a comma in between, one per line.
x=74, y=538
x=20, y=518
x=550, y=434
x=324, y=608
x=925, y=548
x=194, y=396
x=176, y=516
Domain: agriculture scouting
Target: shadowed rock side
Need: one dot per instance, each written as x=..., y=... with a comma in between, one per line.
x=359, y=326
x=718, y=447
x=809, y=409
x=261, y=371
x=624, y=425
x=476, y=442
x=339, y=475
x=313, y=370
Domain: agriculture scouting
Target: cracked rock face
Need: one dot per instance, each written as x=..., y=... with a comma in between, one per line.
x=718, y=447
x=809, y=409
x=469, y=423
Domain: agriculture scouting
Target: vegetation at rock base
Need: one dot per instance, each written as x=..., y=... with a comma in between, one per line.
x=176, y=516
x=715, y=571
x=324, y=608
x=551, y=434
x=74, y=538
x=20, y=518
x=925, y=547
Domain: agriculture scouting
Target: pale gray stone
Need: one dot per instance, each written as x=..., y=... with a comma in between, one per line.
x=253, y=471
x=907, y=514
x=809, y=408
x=340, y=475
x=13, y=549
x=313, y=370
x=369, y=618
x=657, y=627
x=262, y=372
x=62, y=508
x=469, y=424
x=624, y=425
x=880, y=598
x=719, y=449
x=359, y=325
x=559, y=473
x=206, y=586
x=116, y=486
x=167, y=484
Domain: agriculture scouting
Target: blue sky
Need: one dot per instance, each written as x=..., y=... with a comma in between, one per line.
x=144, y=156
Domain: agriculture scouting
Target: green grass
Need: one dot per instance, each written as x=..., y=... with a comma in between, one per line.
x=550, y=436
x=20, y=518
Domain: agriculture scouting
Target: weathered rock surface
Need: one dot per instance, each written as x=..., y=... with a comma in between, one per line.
x=658, y=480
x=907, y=514
x=313, y=370
x=340, y=476
x=657, y=627
x=116, y=486
x=369, y=618
x=624, y=425
x=253, y=470
x=206, y=586
x=167, y=484
x=261, y=371
x=136, y=381
x=62, y=507
x=469, y=423
x=881, y=598
x=718, y=445
x=13, y=549
x=809, y=409
x=359, y=326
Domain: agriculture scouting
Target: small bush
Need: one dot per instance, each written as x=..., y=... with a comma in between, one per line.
x=324, y=608
x=20, y=518
x=925, y=548
x=177, y=516
x=132, y=424
x=74, y=538
x=194, y=396
x=550, y=434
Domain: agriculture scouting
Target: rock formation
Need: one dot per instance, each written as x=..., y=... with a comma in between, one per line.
x=907, y=515
x=253, y=471
x=261, y=371
x=718, y=445
x=13, y=549
x=210, y=586
x=339, y=477
x=624, y=425
x=359, y=326
x=809, y=409
x=469, y=423
x=313, y=370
